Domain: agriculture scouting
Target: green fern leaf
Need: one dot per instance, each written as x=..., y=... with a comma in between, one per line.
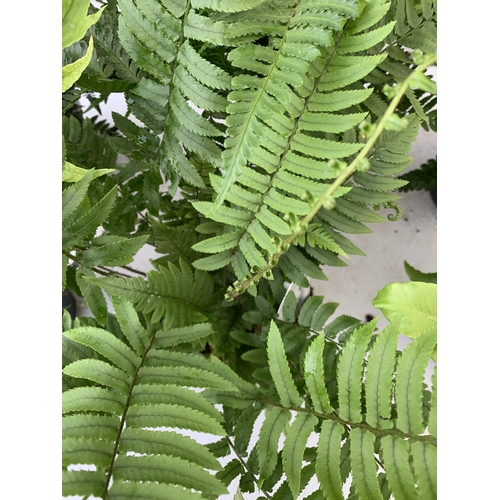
x=244, y=429
x=144, y=394
x=350, y=369
x=309, y=308
x=409, y=378
x=182, y=375
x=425, y=466
x=214, y=262
x=214, y=245
x=130, y=324
x=230, y=471
x=93, y=296
x=357, y=43
x=289, y=307
x=397, y=465
x=378, y=383
x=74, y=194
x=267, y=445
x=83, y=482
x=85, y=450
x=174, y=292
x=293, y=450
x=182, y=335
x=172, y=415
x=113, y=254
x=85, y=227
x=167, y=443
x=91, y=426
x=322, y=314
x=167, y=469
x=314, y=375
x=100, y=372
x=226, y=5
x=328, y=461
x=280, y=371
x=433, y=412
x=123, y=490
x=107, y=345
x=95, y=399
x=364, y=467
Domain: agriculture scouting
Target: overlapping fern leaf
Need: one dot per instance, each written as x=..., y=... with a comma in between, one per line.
x=377, y=429
x=120, y=422
x=164, y=39
x=175, y=295
x=293, y=131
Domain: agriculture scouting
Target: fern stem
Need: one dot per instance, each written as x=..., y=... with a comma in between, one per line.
x=128, y=403
x=300, y=228
x=424, y=438
x=244, y=464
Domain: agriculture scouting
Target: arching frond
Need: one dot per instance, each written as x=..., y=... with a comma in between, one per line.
x=374, y=427
x=113, y=425
x=288, y=153
x=177, y=81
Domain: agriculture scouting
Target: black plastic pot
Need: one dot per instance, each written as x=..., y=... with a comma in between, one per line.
x=69, y=303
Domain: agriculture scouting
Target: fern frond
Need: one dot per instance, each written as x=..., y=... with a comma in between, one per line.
x=174, y=293
x=362, y=431
x=129, y=399
x=280, y=370
x=159, y=37
x=293, y=449
x=267, y=444
x=257, y=103
x=289, y=155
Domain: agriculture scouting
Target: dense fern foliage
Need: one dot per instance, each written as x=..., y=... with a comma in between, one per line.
x=259, y=135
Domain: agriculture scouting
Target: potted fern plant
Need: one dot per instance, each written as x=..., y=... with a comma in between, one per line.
x=259, y=135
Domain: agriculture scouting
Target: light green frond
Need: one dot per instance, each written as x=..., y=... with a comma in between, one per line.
x=107, y=345
x=293, y=449
x=106, y=428
x=280, y=370
x=267, y=445
x=364, y=467
x=314, y=375
x=350, y=371
x=379, y=373
x=159, y=38
x=425, y=466
x=409, y=379
x=396, y=458
x=167, y=469
x=121, y=490
x=328, y=461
